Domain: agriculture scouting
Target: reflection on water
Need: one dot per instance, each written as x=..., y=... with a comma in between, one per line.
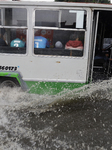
x=78, y=120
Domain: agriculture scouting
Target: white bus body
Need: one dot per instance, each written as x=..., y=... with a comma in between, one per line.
x=53, y=69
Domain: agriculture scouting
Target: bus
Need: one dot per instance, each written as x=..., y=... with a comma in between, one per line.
x=51, y=47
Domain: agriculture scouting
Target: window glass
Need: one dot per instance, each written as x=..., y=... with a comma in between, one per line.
x=58, y=42
x=12, y=40
x=15, y=17
x=73, y=19
x=0, y=17
x=107, y=42
x=46, y=18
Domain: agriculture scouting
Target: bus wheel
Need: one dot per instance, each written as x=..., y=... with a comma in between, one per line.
x=9, y=83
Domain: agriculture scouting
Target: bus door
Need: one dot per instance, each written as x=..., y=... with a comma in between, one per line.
x=93, y=40
x=101, y=45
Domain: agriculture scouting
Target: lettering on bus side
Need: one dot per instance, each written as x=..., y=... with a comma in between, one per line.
x=8, y=68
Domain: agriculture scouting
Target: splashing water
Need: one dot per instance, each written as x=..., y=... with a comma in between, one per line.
x=77, y=120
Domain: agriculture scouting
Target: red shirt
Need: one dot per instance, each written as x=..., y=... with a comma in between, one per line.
x=74, y=43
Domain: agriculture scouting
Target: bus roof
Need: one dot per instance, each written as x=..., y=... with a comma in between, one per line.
x=55, y=4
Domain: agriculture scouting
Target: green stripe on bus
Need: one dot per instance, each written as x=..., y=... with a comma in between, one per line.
x=51, y=88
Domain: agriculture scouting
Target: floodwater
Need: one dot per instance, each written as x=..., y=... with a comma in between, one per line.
x=78, y=120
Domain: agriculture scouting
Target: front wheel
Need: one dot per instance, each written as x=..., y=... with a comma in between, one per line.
x=9, y=83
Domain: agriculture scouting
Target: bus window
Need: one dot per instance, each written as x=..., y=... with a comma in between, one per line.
x=12, y=36
x=59, y=41
x=46, y=18
x=0, y=16
x=15, y=17
x=72, y=19
x=54, y=37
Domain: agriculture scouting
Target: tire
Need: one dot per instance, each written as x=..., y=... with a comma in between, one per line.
x=9, y=83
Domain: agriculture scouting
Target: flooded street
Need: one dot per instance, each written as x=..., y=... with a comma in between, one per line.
x=78, y=120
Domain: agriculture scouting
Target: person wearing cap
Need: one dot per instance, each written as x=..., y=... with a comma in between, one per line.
x=58, y=44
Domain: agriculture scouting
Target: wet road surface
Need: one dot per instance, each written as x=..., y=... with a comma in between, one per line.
x=77, y=123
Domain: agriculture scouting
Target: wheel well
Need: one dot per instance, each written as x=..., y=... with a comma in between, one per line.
x=10, y=78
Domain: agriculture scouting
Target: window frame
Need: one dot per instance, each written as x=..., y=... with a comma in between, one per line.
x=15, y=27
x=59, y=28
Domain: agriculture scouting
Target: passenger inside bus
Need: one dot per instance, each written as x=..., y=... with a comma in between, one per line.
x=102, y=55
x=2, y=41
x=2, y=37
x=74, y=42
x=58, y=44
x=41, y=42
x=17, y=43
